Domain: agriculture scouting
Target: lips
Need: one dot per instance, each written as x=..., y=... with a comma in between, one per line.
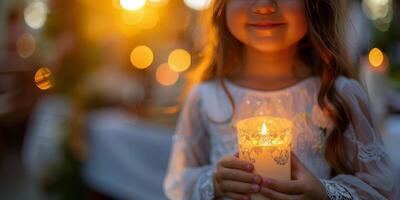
x=266, y=25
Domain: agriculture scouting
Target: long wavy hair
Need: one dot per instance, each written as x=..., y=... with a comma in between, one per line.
x=322, y=49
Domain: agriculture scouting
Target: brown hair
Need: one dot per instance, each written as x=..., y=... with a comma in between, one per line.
x=322, y=49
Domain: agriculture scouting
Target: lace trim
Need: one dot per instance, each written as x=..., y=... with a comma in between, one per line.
x=370, y=152
x=207, y=185
x=337, y=191
x=366, y=152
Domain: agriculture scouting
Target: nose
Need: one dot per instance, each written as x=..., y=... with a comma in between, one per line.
x=263, y=7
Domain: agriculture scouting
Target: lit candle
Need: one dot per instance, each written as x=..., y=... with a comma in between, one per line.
x=265, y=142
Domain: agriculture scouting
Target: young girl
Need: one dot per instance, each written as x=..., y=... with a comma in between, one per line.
x=288, y=57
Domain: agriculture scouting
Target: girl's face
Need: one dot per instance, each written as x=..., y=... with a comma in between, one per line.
x=267, y=25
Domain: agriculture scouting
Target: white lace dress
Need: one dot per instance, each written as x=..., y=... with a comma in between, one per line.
x=199, y=142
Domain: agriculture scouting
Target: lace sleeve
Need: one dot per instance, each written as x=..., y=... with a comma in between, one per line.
x=190, y=174
x=374, y=177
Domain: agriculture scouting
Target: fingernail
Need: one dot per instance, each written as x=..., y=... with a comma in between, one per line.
x=267, y=181
x=255, y=188
x=246, y=198
x=257, y=179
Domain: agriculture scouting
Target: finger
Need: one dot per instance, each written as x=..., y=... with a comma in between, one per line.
x=237, y=196
x=271, y=194
x=239, y=187
x=239, y=175
x=287, y=187
x=235, y=163
x=237, y=154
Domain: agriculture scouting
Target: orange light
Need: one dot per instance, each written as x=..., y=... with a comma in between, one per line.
x=95, y=29
x=132, y=4
x=132, y=17
x=166, y=76
x=179, y=60
x=26, y=45
x=142, y=57
x=43, y=78
x=149, y=20
x=376, y=57
x=159, y=2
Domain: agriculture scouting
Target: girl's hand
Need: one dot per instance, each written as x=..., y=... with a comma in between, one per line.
x=234, y=179
x=304, y=186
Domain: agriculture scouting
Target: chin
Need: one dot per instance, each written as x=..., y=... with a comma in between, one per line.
x=269, y=46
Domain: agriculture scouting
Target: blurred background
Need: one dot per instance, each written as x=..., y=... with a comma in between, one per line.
x=90, y=90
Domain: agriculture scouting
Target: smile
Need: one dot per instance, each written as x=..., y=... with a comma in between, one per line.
x=266, y=26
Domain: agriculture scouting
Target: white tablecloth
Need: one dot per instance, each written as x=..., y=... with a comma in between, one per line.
x=127, y=158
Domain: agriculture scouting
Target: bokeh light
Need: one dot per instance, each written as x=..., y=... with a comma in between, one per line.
x=198, y=4
x=35, y=14
x=132, y=4
x=26, y=45
x=376, y=57
x=149, y=20
x=179, y=60
x=166, y=76
x=43, y=78
x=380, y=12
x=142, y=57
x=159, y=2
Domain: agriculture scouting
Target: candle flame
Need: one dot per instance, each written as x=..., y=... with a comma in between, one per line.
x=264, y=129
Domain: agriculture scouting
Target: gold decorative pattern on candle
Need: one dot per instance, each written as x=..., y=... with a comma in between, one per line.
x=266, y=142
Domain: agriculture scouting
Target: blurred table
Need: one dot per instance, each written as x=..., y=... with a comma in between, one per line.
x=127, y=158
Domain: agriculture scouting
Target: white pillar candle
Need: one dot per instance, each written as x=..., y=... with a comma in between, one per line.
x=265, y=142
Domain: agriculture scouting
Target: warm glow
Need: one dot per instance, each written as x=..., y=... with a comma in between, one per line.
x=272, y=130
x=26, y=45
x=149, y=20
x=125, y=30
x=159, y=2
x=132, y=4
x=376, y=57
x=132, y=17
x=179, y=60
x=198, y=4
x=166, y=76
x=264, y=130
x=269, y=152
x=35, y=14
x=142, y=57
x=43, y=78
x=94, y=27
